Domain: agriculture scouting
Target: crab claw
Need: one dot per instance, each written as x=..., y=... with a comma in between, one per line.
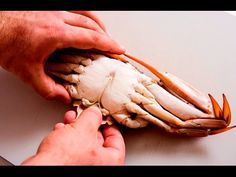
x=216, y=107
x=226, y=113
x=226, y=110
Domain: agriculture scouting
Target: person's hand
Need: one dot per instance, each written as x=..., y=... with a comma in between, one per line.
x=28, y=38
x=81, y=142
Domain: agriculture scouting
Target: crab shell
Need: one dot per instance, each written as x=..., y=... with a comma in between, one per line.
x=134, y=99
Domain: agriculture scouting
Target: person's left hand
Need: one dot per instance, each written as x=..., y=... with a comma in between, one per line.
x=81, y=142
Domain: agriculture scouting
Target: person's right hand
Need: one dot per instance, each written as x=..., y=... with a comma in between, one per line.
x=28, y=38
x=81, y=142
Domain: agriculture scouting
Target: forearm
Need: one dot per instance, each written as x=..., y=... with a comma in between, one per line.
x=6, y=38
x=11, y=33
x=3, y=35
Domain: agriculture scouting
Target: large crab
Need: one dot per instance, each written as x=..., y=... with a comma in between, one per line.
x=134, y=99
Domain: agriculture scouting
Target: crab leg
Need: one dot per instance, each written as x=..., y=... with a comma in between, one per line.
x=155, y=109
x=64, y=67
x=185, y=90
x=175, y=106
x=171, y=83
x=76, y=59
x=72, y=91
x=72, y=78
x=171, y=103
x=125, y=119
x=134, y=108
x=214, y=132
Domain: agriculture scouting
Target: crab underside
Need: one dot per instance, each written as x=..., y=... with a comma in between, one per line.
x=134, y=99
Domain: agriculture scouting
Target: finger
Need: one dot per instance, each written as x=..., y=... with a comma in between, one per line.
x=113, y=139
x=89, y=120
x=59, y=125
x=69, y=117
x=100, y=138
x=59, y=93
x=43, y=84
x=50, y=90
x=88, y=39
x=82, y=21
x=93, y=16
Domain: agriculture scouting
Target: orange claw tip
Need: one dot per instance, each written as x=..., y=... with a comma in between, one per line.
x=216, y=107
x=226, y=110
x=214, y=132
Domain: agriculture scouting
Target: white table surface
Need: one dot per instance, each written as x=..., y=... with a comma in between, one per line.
x=199, y=47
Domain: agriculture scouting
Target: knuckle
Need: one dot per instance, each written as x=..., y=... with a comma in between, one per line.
x=50, y=32
x=95, y=38
x=91, y=24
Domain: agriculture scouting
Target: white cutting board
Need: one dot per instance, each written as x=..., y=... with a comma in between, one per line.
x=199, y=47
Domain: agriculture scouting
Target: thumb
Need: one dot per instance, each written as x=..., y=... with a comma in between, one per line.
x=49, y=89
x=90, y=119
x=113, y=139
x=59, y=93
x=114, y=144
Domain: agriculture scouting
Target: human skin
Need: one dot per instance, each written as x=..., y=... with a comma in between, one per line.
x=81, y=142
x=28, y=38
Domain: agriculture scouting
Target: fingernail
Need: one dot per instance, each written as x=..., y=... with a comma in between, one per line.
x=122, y=48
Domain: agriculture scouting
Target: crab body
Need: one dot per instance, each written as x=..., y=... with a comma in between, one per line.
x=134, y=99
